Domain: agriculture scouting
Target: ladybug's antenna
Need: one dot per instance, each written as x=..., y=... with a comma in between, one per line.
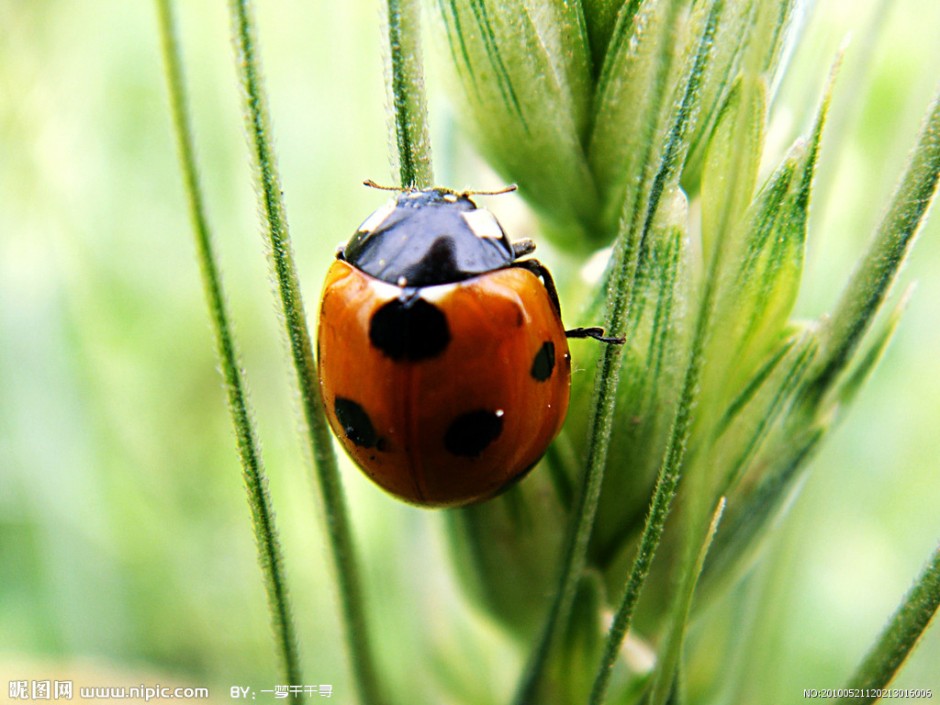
x=371, y=184
x=498, y=192
x=469, y=192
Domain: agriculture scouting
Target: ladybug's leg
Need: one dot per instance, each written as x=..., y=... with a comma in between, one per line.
x=593, y=332
x=541, y=271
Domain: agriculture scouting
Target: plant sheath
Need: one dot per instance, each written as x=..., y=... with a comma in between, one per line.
x=321, y=442
x=262, y=514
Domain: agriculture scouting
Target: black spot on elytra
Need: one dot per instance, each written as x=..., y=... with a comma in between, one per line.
x=356, y=423
x=409, y=329
x=473, y=431
x=544, y=362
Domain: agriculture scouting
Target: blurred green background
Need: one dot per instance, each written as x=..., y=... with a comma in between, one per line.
x=125, y=545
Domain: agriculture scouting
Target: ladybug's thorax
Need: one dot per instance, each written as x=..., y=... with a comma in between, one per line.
x=429, y=237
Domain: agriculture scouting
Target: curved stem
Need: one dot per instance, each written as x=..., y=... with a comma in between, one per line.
x=262, y=514
x=623, y=272
x=670, y=472
x=321, y=441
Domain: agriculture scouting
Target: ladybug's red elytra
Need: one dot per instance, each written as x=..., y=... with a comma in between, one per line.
x=443, y=361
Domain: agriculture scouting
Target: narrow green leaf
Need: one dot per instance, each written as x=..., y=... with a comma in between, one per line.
x=256, y=484
x=654, y=357
x=626, y=255
x=748, y=43
x=406, y=85
x=861, y=369
x=636, y=226
x=524, y=70
x=749, y=513
x=764, y=261
x=879, y=267
x=755, y=418
x=900, y=635
x=580, y=642
x=298, y=335
x=666, y=486
x=670, y=472
x=670, y=651
x=732, y=163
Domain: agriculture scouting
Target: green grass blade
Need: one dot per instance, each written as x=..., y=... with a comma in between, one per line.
x=582, y=518
x=763, y=263
x=745, y=521
x=667, y=664
x=666, y=487
x=628, y=251
x=749, y=42
x=879, y=267
x=654, y=361
x=861, y=370
x=259, y=501
x=667, y=482
x=759, y=419
x=732, y=162
x=900, y=635
x=321, y=442
x=409, y=105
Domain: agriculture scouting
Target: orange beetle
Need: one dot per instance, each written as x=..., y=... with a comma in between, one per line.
x=443, y=361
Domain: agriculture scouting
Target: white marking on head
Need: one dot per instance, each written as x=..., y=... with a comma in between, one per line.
x=483, y=224
x=372, y=223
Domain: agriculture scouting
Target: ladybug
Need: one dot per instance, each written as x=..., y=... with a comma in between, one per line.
x=443, y=362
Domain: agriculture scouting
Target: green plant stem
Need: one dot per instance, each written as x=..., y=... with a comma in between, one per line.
x=667, y=664
x=582, y=521
x=667, y=482
x=262, y=514
x=321, y=442
x=901, y=634
x=878, y=269
x=409, y=104
x=623, y=272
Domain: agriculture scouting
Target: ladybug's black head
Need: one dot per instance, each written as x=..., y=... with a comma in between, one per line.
x=429, y=237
